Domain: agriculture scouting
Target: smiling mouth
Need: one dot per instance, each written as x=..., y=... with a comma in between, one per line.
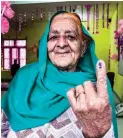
x=63, y=54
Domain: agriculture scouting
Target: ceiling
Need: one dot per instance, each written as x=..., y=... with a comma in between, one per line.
x=59, y=2
x=32, y=6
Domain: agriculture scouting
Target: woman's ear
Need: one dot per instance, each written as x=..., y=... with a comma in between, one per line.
x=84, y=47
x=87, y=38
x=85, y=44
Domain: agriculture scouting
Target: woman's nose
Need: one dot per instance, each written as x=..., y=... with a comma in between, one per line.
x=62, y=42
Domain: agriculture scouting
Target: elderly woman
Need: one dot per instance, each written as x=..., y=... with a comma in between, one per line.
x=66, y=93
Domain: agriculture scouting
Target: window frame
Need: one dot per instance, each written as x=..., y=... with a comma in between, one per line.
x=10, y=48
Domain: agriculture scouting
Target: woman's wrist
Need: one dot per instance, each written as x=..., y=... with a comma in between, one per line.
x=91, y=131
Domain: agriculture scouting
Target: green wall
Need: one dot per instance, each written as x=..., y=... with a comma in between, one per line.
x=104, y=40
x=33, y=32
x=118, y=85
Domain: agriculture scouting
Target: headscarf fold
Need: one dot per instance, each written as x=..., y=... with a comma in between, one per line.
x=37, y=94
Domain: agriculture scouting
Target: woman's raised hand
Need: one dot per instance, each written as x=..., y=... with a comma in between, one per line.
x=91, y=104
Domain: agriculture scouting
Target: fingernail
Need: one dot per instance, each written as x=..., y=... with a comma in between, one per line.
x=100, y=65
x=87, y=82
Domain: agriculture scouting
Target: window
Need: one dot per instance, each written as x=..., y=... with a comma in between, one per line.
x=13, y=49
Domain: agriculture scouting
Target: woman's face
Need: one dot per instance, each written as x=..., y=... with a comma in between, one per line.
x=64, y=44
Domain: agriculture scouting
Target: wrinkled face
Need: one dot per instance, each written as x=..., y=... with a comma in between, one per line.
x=64, y=44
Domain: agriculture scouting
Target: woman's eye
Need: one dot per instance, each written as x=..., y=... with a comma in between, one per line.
x=70, y=37
x=53, y=38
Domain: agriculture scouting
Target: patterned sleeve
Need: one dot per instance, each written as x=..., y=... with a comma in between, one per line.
x=65, y=126
x=5, y=128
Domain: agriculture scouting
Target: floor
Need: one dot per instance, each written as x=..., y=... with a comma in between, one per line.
x=120, y=127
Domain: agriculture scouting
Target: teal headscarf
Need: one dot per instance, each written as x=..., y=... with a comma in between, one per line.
x=37, y=94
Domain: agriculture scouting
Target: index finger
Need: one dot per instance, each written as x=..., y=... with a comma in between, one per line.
x=101, y=79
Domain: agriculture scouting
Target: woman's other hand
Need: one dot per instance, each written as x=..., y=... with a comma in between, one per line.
x=91, y=104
